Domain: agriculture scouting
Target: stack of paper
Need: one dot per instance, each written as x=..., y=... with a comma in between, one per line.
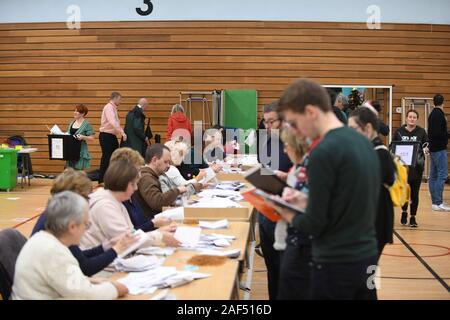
x=209, y=193
x=147, y=282
x=138, y=263
x=220, y=224
x=232, y=253
x=175, y=214
x=210, y=174
x=188, y=236
x=216, y=202
x=157, y=251
x=142, y=239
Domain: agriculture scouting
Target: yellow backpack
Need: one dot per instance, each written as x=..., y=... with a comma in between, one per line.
x=400, y=191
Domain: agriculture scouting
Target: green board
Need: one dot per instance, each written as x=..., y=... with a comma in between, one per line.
x=240, y=109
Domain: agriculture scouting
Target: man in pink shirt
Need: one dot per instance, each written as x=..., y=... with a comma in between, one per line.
x=109, y=130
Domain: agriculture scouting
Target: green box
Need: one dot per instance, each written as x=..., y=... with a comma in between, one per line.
x=8, y=169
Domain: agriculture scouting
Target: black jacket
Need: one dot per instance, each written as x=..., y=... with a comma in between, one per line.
x=134, y=129
x=417, y=135
x=437, y=130
x=384, y=222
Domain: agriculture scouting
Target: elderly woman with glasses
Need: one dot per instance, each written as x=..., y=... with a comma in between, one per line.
x=46, y=269
x=95, y=259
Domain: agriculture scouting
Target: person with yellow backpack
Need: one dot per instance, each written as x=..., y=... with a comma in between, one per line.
x=365, y=121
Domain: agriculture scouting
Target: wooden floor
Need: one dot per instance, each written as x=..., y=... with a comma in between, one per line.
x=416, y=266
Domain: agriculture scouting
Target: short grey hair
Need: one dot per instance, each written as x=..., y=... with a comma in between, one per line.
x=62, y=209
x=272, y=107
x=342, y=98
x=177, y=108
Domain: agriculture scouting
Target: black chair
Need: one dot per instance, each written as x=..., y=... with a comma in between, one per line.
x=11, y=242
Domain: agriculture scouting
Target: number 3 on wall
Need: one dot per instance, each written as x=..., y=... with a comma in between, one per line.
x=149, y=8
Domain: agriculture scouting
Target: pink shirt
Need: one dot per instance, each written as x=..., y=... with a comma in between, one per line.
x=110, y=122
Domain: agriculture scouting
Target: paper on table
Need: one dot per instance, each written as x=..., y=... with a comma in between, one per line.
x=176, y=214
x=215, y=203
x=232, y=253
x=138, y=263
x=220, y=224
x=188, y=236
x=209, y=193
x=142, y=238
x=156, y=251
x=210, y=174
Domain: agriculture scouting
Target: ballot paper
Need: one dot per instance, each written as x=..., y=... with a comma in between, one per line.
x=232, y=253
x=138, y=263
x=157, y=251
x=163, y=277
x=210, y=174
x=209, y=241
x=209, y=193
x=216, y=202
x=56, y=130
x=176, y=214
x=164, y=295
x=188, y=236
x=142, y=238
x=220, y=224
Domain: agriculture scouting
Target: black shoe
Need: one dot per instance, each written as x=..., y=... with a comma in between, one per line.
x=412, y=222
x=404, y=219
x=258, y=250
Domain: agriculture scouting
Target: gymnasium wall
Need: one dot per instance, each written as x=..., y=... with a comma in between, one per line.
x=46, y=69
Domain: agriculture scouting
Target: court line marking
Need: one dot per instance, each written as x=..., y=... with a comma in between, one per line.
x=424, y=263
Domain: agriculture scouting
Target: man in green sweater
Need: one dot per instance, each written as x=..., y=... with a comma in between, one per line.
x=339, y=212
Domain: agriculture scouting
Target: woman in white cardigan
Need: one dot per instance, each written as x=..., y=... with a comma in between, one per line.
x=46, y=269
x=109, y=217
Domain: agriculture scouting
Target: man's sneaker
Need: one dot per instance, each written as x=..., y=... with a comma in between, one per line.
x=404, y=219
x=436, y=207
x=444, y=207
x=412, y=222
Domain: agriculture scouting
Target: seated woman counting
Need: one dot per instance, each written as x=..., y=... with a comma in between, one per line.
x=45, y=267
x=109, y=217
x=99, y=257
x=137, y=216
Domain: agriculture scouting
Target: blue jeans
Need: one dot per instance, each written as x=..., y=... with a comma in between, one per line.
x=438, y=175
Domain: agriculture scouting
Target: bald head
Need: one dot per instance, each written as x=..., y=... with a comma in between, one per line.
x=143, y=103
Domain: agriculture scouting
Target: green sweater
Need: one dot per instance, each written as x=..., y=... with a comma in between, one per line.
x=344, y=182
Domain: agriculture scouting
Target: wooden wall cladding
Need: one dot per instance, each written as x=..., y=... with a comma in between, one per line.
x=46, y=69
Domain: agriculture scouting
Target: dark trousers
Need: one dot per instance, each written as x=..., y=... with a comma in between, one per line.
x=108, y=143
x=271, y=256
x=295, y=273
x=344, y=281
x=415, y=188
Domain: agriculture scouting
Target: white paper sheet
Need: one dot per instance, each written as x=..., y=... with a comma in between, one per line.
x=405, y=153
x=210, y=174
x=57, y=148
x=188, y=236
x=176, y=214
x=138, y=244
x=220, y=224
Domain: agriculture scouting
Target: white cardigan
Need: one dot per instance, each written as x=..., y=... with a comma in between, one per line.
x=46, y=269
x=109, y=218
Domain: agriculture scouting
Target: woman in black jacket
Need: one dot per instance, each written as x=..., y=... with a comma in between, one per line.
x=365, y=121
x=411, y=132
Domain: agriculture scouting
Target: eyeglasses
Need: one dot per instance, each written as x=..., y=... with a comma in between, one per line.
x=271, y=122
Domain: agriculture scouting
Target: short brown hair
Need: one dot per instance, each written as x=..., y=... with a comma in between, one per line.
x=119, y=174
x=413, y=111
x=81, y=108
x=115, y=95
x=303, y=92
x=155, y=150
x=72, y=180
x=129, y=155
